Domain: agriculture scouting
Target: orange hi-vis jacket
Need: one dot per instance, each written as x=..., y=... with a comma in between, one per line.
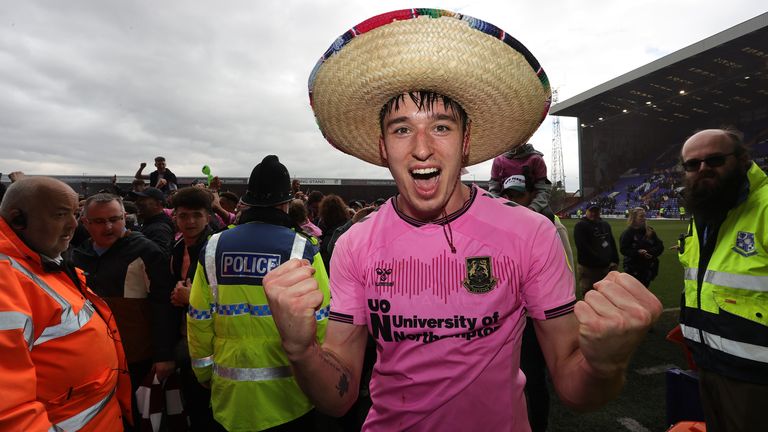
x=62, y=366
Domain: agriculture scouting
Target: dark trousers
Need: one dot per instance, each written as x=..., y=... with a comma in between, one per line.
x=534, y=367
x=643, y=275
x=732, y=406
x=197, y=401
x=138, y=371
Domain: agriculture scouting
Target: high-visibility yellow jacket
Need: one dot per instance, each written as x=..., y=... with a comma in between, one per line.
x=62, y=366
x=724, y=314
x=233, y=340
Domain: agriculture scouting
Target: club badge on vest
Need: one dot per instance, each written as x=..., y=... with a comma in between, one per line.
x=480, y=278
x=745, y=244
x=248, y=264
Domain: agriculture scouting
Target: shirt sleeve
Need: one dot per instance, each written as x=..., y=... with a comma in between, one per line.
x=347, y=285
x=549, y=285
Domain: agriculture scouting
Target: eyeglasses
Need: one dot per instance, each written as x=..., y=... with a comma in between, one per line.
x=101, y=221
x=714, y=161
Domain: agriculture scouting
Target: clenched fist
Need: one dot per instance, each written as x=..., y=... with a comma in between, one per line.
x=613, y=320
x=180, y=294
x=293, y=297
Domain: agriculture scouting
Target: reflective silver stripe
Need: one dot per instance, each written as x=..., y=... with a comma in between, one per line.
x=210, y=266
x=730, y=280
x=299, y=243
x=76, y=422
x=70, y=322
x=740, y=281
x=691, y=333
x=18, y=321
x=691, y=274
x=36, y=279
x=252, y=374
x=739, y=349
x=202, y=362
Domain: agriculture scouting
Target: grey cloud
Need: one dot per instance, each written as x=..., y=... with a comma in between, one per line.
x=97, y=87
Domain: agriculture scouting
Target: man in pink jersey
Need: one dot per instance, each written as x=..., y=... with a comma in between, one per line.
x=443, y=275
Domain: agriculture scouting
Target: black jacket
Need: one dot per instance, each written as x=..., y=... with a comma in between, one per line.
x=595, y=244
x=634, y=239
x=160, y=229
x=169, y=177
x=147, y=321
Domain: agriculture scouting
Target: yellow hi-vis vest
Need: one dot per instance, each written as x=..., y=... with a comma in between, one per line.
x=233, y=340
x=725, y=305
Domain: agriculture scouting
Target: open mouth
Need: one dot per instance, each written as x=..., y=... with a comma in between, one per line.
x=426, y=178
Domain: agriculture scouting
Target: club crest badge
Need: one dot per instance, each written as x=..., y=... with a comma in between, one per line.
x=745, y=244
x=480, y=278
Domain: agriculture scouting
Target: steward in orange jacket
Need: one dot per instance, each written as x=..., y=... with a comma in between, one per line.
x=62, y=366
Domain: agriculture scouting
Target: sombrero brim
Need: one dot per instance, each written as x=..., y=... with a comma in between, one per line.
x=491, y=75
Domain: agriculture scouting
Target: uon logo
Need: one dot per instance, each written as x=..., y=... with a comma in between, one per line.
x=383, y=276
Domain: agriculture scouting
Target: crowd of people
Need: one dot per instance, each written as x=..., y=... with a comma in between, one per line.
x=262, y=311
x=138, y=250
x=658, y=191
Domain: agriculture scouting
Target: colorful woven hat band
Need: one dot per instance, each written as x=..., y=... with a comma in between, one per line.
x=491, y=75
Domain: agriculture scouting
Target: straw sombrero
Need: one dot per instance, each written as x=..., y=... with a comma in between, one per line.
x=489, y=73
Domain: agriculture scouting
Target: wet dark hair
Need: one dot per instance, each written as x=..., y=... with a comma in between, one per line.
x=193, y=198
x=424, y=100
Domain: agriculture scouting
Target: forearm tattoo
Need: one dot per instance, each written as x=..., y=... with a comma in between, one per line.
x=344, y=375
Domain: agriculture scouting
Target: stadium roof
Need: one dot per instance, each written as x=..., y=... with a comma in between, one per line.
x=722, y=73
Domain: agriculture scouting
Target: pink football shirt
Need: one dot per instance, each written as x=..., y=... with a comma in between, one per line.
x=448, y=326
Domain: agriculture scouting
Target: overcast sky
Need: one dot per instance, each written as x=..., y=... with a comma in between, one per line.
x=98, y=86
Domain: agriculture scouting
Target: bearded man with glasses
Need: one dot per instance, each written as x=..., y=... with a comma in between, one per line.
x=132, y=274
x=724, y=313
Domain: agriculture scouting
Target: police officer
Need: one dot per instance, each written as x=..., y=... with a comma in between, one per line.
x=233, y=342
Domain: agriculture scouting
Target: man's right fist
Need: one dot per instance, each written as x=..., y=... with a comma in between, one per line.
x=293, y=297
x=143, y=165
